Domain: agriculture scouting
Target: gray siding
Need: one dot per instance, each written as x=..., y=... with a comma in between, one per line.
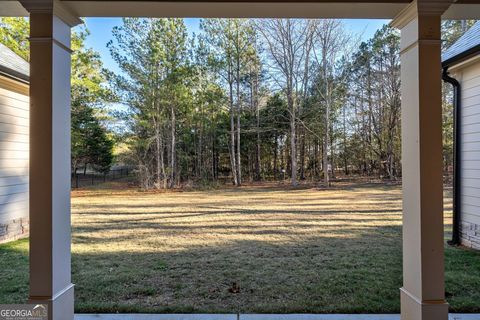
x=14, y=130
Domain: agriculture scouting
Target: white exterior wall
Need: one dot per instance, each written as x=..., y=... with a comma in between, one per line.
x=14, y=146
x=468, y=74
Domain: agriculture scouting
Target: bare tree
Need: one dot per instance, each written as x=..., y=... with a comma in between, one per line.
x=229, y=40
x=254, y=79
x=331, y=43
x=288, y=44
x=222, y=59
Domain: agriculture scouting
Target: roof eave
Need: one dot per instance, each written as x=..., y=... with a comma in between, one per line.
x=15, y=75
x=467, y=54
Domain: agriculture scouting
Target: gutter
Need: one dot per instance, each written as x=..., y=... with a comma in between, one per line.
x=14, y=75
x=457, y=156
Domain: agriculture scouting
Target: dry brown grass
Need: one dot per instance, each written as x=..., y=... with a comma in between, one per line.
x=133, y=221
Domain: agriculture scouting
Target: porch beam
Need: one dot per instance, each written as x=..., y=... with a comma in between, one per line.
x=369, y=9
x=423, y=291
x=50, y=271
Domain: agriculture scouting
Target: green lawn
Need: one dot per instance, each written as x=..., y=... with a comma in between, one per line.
x=288, y=250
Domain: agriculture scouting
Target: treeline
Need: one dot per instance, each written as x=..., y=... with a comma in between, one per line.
x=248, y=100
x=92, y=143
x=244, y=100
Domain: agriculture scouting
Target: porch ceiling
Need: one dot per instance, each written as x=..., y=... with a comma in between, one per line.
x=382, y=9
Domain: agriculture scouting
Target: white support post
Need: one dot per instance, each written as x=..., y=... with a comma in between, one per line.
x=423, y=292
x=50, y=278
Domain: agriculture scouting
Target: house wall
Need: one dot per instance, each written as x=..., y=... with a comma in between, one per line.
x=469, y=76
x=14, y=139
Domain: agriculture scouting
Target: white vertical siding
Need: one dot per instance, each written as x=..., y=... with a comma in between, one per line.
x=14, y=130
x=469, y=78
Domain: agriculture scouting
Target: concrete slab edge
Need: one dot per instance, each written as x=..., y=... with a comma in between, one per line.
x=132, y=316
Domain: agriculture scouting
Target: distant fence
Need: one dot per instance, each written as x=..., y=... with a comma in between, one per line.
x=90, y=178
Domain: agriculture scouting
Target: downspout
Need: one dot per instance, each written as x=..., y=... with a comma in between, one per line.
x=457, y=156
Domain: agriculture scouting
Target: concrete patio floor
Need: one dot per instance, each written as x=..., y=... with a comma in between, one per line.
x=475, y=316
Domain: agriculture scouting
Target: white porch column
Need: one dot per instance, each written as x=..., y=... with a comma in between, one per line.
x=50, y=280
x=423, y=292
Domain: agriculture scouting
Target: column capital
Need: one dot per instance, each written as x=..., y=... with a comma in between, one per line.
x=420, y=8
x=54, y=7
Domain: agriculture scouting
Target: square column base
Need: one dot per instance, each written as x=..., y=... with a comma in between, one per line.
x=61, y=306
x=413, y=308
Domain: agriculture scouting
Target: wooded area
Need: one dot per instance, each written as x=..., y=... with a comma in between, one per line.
x=257, y=99
x=243, y=100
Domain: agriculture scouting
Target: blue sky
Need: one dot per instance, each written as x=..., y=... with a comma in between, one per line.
x=101, y=33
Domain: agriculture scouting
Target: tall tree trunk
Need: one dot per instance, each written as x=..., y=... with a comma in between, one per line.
x=326, y=178
x=173, y=148
x=326, y=139
x=162, y=163
x=232, y=138
x=257, y=158
x=293, y=145
x=200, y=146
x=161, y=181
x=258, y=175
x=315, y=158
x=332, y=153
x=158, y=156
x=213, y=160
x=239, y=158
x=239, y=102
x=282, y=163
x=302, y=154
x=275, y=157
x=345, y=156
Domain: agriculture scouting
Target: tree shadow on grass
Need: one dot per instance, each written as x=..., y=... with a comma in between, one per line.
x=358, y=274
x=318, y=275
